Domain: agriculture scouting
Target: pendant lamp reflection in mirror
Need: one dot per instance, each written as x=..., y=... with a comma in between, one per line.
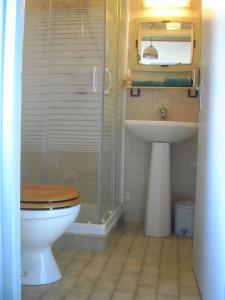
x=150, y=52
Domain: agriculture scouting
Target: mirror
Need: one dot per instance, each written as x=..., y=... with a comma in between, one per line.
x=165, y=43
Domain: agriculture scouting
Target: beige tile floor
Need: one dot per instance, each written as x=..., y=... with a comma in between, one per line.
x=135, y=267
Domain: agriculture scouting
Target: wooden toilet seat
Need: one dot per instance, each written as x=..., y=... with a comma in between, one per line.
x=48, y=196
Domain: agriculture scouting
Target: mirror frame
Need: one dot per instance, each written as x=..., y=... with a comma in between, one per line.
x=133, y=45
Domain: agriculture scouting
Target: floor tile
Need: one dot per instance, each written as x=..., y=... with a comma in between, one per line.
x=128, y=281
x=61, y=288
x=78, y=294
x=167, y=298
x=123, y=295
x=188, y=293
x=135, y=267
x=100, y=294
x=51, y=296
x=147, y=290
x=105, y=285
x=187, y=279
x=145, y=297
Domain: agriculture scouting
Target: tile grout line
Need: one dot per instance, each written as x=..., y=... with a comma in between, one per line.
x=160, y=263
x=127, y=241
x=178, y=261
x=88, y=261
x=88, y=297
x=84, y=270
x=117, y=281
x=147, y=247
x=74, y=258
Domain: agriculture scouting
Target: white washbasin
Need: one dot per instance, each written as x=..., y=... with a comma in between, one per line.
x=162, y=131
x=161, y=134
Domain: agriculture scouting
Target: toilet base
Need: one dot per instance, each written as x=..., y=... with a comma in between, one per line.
x=39, y=267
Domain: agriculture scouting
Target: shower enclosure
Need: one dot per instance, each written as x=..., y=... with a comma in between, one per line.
x=72, y=100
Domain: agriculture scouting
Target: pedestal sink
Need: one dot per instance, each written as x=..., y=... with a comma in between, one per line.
x=161, y=134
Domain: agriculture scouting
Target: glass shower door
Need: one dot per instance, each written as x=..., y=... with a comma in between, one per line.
x=76, y=69
x=63, y=72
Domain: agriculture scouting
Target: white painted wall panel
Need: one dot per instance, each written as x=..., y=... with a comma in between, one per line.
x=209, y=237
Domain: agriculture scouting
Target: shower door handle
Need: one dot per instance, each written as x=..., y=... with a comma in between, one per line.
x=94, y=80
x=107, y=71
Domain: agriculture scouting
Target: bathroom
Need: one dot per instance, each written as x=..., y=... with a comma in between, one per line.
x=73, y=121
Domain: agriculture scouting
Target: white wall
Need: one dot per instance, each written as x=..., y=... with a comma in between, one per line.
x=209, y=239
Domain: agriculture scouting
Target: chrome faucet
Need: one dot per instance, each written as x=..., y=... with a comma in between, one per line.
x=163, y=110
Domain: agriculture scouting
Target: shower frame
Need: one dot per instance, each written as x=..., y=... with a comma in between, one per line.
x=100, y=200
x=107, y=186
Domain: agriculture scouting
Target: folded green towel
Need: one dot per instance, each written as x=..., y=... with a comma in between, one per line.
x=178, y=82
x=146, y=83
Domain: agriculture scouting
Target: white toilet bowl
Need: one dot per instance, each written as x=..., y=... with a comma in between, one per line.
x=41, y=226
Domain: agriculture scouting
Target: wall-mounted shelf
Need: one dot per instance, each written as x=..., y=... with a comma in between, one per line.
x=135, y=91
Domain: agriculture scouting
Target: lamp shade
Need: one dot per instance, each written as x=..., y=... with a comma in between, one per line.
x=150, y=52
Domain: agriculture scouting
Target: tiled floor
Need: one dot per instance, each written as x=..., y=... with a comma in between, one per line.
x=135, y=267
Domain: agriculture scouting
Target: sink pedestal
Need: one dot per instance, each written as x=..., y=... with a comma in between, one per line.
x=161, y=134
x=158, y=212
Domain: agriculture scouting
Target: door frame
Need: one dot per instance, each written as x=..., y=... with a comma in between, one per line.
x=11, y=43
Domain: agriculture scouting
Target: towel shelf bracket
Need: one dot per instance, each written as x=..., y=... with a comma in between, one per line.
x=193, y=92
x=135, y=91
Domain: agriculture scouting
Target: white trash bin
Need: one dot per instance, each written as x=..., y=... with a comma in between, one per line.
x=184, y=218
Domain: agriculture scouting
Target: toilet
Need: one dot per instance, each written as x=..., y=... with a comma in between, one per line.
x=46, y=212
